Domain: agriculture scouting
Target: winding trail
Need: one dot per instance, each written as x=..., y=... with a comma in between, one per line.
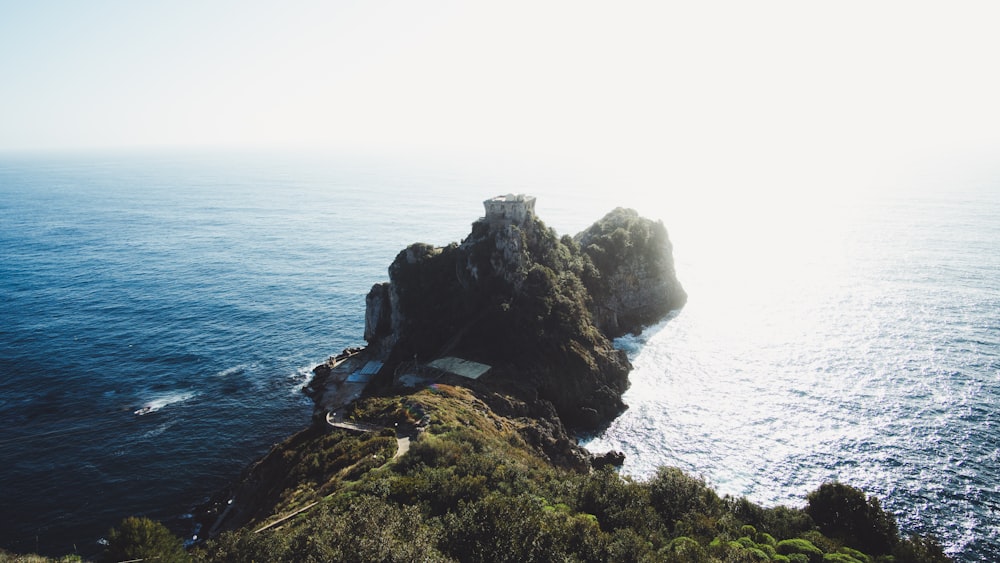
x=402, y=446
x=402, y=442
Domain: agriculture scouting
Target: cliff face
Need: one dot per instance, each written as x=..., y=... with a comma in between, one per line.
x=538, y=308
x=637, y=285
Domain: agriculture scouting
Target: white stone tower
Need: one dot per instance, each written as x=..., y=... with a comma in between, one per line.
x=510, y=208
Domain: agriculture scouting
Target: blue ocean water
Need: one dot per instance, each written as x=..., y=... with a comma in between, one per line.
x=853, y=339
x=202, y=291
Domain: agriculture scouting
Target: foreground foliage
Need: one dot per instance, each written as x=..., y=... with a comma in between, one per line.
x=470, y=489
x=139, y=539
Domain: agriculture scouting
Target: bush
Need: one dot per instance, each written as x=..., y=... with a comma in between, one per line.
x=363, y=528
x=498, y=528
x=616, y=502
x=142, y=538
x=799, y=546
x=842, y=512
x=863, y=558
x=684, y=550
x=627, y=545
x=674, y=494
x=242, y=545
x=919, y=549
x=839, y=558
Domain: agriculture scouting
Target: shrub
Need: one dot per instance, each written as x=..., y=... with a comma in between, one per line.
x=863, y=558
x=919, y=549
x=683, y=550
x=843, y=512
x=243, y=545
x=627, y=545
x=784, y=522
x=497, y=528
x=142, y=538
x=363, y=528
x=616, y=502
x=673, y=494
x=799, y=546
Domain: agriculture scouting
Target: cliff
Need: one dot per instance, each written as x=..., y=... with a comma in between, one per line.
x=636, y=285
x=539, y=309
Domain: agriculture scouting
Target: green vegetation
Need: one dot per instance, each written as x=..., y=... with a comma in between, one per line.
x=6, y=557
x=141, y=539
x=632, y=272
x=471, y=489
x=478, y=486
x=844, y=513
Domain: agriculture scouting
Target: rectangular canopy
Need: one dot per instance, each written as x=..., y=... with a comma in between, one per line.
x=458, y=366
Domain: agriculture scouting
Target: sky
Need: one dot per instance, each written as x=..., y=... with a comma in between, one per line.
x=773, y=90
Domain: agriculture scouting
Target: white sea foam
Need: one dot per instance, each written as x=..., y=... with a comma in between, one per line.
x=301, y=378
x=165, y=399
x=234, y=370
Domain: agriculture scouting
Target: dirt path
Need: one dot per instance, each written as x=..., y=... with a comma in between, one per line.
x=402, y=446
x=402, y=442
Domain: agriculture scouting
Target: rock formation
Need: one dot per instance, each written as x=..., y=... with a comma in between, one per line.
x=637, y=285
x=538, y=308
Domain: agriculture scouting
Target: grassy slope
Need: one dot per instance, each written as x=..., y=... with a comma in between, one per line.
x=471, y=489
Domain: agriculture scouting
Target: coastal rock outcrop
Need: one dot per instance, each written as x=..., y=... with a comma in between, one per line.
x=537, y=308
x=637, y=285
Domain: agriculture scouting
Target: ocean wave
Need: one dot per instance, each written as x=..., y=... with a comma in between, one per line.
x=158, y=402
x=234, y=370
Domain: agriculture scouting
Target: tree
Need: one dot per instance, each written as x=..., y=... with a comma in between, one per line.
x=674, y=494
x=142, y=538
x=843, y=512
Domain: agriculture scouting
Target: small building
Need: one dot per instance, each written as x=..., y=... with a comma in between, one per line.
x=510, y=208
x=365, y=374
x=457, y=366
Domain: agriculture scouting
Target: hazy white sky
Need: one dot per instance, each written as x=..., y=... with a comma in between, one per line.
x=813, y=85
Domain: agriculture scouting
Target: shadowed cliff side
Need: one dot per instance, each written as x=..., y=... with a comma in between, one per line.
x=539, y=309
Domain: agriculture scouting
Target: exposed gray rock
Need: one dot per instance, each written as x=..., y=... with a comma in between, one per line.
x=636, y=285
x=378, y=313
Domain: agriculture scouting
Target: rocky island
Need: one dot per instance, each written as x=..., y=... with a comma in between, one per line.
x=449, y=436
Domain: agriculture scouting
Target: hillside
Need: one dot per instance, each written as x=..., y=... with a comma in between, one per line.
x=472, y=488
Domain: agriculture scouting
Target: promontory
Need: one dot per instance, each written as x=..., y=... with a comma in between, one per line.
x=449, y=436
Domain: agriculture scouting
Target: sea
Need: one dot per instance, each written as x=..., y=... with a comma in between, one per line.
x=161, y=311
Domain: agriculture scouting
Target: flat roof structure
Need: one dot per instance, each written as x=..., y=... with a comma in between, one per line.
x=364, y=375
x=458, y=366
